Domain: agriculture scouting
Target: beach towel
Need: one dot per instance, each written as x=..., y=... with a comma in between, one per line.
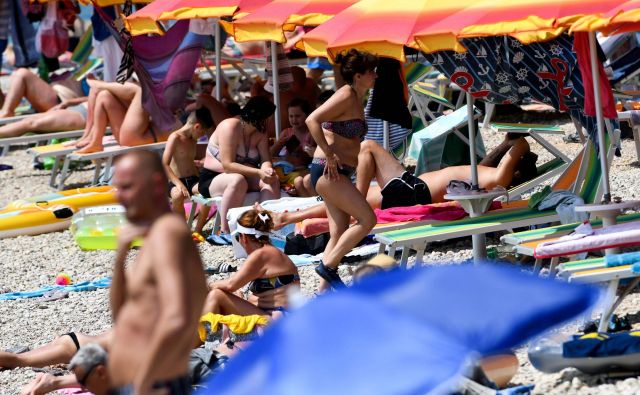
x=612, y=236
x=78, y=287
x=164, y=65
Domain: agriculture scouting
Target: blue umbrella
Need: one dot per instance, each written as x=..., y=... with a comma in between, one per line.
x=404, y=332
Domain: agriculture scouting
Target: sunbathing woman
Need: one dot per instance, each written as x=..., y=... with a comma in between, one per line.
x=338, y=127
x=68, y=115
x=41, y=95
x=120, y=106
x=267, y=270
x=238, y=160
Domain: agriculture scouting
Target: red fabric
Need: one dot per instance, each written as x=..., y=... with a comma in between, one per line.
x=581, y=48
x=447, y=211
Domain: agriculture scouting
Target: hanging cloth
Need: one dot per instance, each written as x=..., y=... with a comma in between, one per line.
x=390, y=99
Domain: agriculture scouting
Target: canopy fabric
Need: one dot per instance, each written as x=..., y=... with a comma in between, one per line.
x=402, y=332
x=269, y=23
x=144, y=21
x=102, y=3
x=385, y=28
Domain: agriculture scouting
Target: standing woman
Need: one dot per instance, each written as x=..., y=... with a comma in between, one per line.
x=338, y=127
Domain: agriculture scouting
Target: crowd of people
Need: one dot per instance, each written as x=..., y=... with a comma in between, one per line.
x=158, y=303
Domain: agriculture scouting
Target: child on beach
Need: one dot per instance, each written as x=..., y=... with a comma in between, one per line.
x=180, y=154
x=295, y=148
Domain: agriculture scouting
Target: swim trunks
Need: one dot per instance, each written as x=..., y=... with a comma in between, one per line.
x=188, y=182
x=206, y=176
x=403, y=191
x=177, y=386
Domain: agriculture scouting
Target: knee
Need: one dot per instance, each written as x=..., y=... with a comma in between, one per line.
x=22, y=73
x=214, y=297
x=367, y=146
x=176, y=196
x=368, y=220
x=238, y=182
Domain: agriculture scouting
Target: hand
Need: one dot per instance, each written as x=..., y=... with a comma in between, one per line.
x=267, y=175
x=199, y=163
x=60, y=106
x=331, y=168
x=184, y=191
x=42, y=384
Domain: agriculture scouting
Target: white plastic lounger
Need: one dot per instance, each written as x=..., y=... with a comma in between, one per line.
x=7, y=142
x=104, y=160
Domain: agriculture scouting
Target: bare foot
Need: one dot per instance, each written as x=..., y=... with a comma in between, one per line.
x=89, y=148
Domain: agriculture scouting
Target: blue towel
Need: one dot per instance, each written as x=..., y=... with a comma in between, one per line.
x=602, y=345
x=622, y=259
x=78, y=287
x=519, y=390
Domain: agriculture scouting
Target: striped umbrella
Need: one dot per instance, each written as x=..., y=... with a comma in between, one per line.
x=271, y=21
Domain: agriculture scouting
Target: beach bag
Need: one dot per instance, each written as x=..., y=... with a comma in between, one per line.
x=298, y=244
x=52, y=39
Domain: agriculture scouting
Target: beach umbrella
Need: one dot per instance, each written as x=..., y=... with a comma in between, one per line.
x=402, y=332
x=101, y=3
x=146, y=20
x=272, y=20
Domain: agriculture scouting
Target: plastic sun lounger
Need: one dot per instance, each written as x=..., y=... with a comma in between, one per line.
x=584, y=167
x=5, y=143
x=103, y=160
x=421, y=96
x=59, y=152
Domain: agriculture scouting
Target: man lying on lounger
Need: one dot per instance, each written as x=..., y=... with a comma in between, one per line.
x=401, y=188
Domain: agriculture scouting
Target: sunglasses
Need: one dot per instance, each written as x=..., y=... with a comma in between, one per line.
x=83, y=381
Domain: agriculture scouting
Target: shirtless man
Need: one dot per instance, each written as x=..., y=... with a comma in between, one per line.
x=157, y=303
x=179, y=155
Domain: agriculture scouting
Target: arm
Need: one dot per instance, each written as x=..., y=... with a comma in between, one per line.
x=69, y=103
x=170, y=243
x=45, y=383
x=277, y=146
x=167, y=156
x=252, y=268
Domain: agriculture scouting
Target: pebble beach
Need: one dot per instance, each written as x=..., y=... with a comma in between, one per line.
x=30, y=262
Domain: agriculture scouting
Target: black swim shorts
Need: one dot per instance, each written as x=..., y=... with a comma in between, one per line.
x=403, y=191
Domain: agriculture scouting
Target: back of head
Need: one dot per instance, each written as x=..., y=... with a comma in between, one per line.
x=354, y=62
x=202, y=116
x=259, y=220
x=299, y=76
x=87, y=356
x=257, y=110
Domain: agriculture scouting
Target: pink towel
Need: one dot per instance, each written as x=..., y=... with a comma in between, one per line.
x=447, y=211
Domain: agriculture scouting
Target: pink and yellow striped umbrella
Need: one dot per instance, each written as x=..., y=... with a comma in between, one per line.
x=385, y=28
x=271, y=21
x=146, y=20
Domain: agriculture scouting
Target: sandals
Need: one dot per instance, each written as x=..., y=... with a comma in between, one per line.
x=330, y=275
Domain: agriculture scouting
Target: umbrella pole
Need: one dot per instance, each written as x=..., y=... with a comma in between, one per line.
x=218, y=45
x=276, y=86
x=385, y=135
x=472, y=142
x=595, y=76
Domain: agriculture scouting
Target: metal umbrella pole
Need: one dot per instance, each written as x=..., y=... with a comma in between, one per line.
x=218, y=47
x=276, y=86
x=599, y=116
x=472, y=142
x=385, y=135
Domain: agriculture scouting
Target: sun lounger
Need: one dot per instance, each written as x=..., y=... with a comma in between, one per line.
x=7, y=142
x=584, y=168
x=104, y=160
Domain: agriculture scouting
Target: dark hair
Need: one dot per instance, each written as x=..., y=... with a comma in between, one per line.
x=300, y=103
x=354, y=62
x=233, y=108
x=252, y=219
x=202, y=115
x=256, y=112
x=325, y=95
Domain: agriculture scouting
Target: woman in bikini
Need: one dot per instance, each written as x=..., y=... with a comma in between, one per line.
x=267, y=270
x=338, y=127
x=238, y=160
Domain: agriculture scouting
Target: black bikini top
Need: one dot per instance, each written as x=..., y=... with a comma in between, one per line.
x=350, y=128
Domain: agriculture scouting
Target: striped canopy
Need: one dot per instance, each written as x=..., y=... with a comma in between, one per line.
x=384, y=27
x=145, y=20
x=271, y=21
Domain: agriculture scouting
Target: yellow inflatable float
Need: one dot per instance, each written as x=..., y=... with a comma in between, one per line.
x=50, y=212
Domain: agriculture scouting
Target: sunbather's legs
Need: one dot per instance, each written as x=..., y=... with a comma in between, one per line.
x=222, y=302
x=488, y=177
x=344, y=201
x=60, y=350
x=108, y=110
x=24, y=83
x=91, y=102
x=267, y=191
x=375, y=161
x=50, y=121
x=233, y=188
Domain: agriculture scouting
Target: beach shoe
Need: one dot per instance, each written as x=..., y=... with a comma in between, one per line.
x=571, y=138
x=222, y=268
x=226, y=237
x=330, y=275
x=55, y=294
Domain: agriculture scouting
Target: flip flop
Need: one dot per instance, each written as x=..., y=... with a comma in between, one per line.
x=217, y=240
x=5, y=167
x=56, y=294
x=222, y=268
